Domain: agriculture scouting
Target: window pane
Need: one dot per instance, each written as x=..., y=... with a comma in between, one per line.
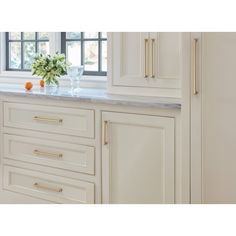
x=14, y=35
x=73, y=52
x=43, y=35
x=104, y=55
x=90, y=35
x=43, y=47
x=73, y=35
x=29, y=35
x=104, y=35
x=15, y=55
x=29, y=54
x=91, y=55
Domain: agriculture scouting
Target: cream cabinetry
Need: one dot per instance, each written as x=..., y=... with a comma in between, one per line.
x=62, y=155
x=138, y=155
x=79, y=152
x=49, y=187
x=213, y=119
x=38, y=165
x=145, y=63
x=79, y=122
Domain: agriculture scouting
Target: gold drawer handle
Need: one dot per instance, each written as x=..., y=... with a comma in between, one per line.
x=105, y=127
x=145, y=58
x=194, y=66
x=38, y=185
x=47, y=119
x=152, y=58
x=48, y=154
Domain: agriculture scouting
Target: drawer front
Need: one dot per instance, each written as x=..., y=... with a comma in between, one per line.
x=67, y=156
x=70, y=121
x=49, y=187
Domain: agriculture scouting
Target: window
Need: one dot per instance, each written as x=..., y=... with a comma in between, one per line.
x=88, y=49
x=21, y=48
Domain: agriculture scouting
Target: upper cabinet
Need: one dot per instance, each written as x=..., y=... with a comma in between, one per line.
x=145, y=63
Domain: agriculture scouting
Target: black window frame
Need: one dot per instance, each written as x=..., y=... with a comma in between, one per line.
x=21, y=41
x=82, y=39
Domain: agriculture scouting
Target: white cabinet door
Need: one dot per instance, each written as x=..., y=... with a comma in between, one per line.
x=213, y=128
x=166, y=62
x=137, y=158
x=145, y=63
x=130, y=58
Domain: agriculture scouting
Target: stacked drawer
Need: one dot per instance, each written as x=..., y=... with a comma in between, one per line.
x=55, y=154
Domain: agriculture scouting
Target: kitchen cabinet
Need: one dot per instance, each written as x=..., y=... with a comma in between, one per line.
x=213, y=129
x=145, y=63
x=43, y=167
x=92, y=151
x=138, y=156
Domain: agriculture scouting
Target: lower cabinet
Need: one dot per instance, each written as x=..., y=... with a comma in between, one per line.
x=138, y=161
x=138, y=158
x=48, y=154
x=46, y=186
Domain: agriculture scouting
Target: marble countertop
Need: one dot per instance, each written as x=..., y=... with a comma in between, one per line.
x=91, y=96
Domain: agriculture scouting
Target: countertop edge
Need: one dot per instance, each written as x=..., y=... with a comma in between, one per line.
x=105, y=99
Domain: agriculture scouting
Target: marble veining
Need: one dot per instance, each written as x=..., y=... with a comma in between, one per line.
x=92, y=96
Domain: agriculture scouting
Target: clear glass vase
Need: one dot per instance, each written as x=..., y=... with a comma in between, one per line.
x=51, y=88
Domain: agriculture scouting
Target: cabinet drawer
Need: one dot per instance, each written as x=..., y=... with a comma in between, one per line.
x=49, y=187
x=70, y=121
x=67, y=156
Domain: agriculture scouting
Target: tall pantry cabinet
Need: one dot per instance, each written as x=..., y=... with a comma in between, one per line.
x=213, y=116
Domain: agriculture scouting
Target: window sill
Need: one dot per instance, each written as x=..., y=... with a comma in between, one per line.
x=12, y=77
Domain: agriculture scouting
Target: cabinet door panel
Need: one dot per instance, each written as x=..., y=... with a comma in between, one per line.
x=129, y=58
x=138, y=161
x=213, y=133
x=167, y=54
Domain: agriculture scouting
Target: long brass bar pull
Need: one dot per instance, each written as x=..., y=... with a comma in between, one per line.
x=42, y=186
x=145, y=58
x=194, y=66
x=48, y=119
x=48, y=154
x=152, y=58
x=105, y=127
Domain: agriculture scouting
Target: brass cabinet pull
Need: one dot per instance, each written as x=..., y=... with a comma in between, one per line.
x=38, y=185
x=48, y=119
x=152, y=58
x=145, y=58
x=48, y=154
x=105, y=141
x=194, y=65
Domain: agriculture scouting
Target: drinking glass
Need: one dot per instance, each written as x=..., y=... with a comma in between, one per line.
x=75, y=73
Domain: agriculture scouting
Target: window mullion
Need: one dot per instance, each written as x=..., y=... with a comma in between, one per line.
x=36, y=42
x=7, y=51
x=82, y=48
x=99, y=52
x=22, y=51
x=63, y=42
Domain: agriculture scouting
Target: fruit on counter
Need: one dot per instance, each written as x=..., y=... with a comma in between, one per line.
x=41, y=82
x=28, y=85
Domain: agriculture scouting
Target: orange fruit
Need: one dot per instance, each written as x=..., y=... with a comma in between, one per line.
x=41, y=82
x=28, y=85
